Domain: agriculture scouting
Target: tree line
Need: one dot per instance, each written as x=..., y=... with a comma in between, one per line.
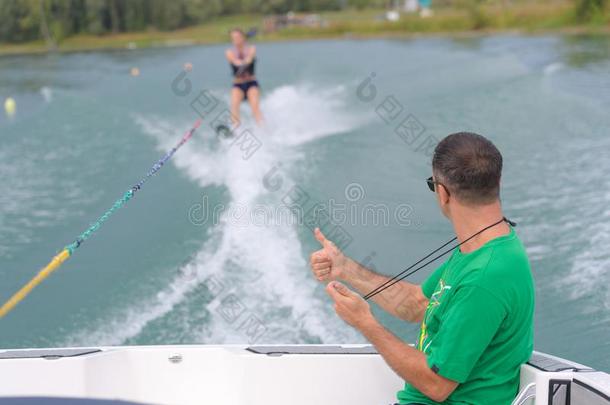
x=53, y=20
x=25, y=20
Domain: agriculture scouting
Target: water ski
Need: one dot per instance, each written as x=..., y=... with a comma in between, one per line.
x=224, y=131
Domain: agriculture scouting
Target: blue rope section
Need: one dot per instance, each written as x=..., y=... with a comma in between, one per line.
x=130, y=193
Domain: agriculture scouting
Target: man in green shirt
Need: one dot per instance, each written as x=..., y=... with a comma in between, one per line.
x=476, y=309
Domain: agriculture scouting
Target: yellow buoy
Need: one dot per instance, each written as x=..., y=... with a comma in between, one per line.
x=10, y=107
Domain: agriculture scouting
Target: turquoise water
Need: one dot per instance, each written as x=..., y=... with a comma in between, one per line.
x=162, y=271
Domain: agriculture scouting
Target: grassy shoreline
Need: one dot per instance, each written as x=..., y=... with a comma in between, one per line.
x=525, y=18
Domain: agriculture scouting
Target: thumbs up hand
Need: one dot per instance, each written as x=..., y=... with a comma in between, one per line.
x=328, y=263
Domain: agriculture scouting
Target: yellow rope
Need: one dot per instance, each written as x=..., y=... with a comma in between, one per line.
x=68, y=250
x=42, y=274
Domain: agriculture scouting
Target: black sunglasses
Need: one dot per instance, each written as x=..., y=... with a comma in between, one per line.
x=431, y=184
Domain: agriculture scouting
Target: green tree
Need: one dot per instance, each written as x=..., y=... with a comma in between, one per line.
x=20, y=22
x=591, y=10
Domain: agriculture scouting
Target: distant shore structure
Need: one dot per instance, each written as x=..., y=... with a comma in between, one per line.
x=277, y=22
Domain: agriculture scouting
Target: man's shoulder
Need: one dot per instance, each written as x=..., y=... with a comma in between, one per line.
x=508, y=261
x=500, y=268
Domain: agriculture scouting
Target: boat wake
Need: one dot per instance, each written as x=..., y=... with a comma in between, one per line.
x=249, y=281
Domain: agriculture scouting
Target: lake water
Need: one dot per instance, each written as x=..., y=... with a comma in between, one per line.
x=213, y=248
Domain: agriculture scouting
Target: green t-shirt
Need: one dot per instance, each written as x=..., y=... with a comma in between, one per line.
x=478, y=327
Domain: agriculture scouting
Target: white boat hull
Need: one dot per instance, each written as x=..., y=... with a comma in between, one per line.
x=223, y=375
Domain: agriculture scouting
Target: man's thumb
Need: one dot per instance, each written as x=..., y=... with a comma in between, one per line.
x=320, y=237
x=340, y=288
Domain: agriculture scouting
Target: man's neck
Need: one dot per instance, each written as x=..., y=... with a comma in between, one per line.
x=468, y=220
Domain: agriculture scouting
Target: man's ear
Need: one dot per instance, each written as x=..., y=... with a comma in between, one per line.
x=443, y=195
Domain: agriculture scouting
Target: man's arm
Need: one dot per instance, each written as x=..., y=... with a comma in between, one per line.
x=409, y=363
x=403, y=300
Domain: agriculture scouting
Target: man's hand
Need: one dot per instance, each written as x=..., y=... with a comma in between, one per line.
x=408, y=362
x=328, y=263
x=351, y=307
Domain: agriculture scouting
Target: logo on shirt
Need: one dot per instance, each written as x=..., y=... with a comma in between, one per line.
x=435, y=300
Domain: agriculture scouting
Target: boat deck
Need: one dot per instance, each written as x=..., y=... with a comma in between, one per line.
x=256, y=375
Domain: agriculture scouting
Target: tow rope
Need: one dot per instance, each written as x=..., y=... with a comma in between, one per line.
x=67, y=251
